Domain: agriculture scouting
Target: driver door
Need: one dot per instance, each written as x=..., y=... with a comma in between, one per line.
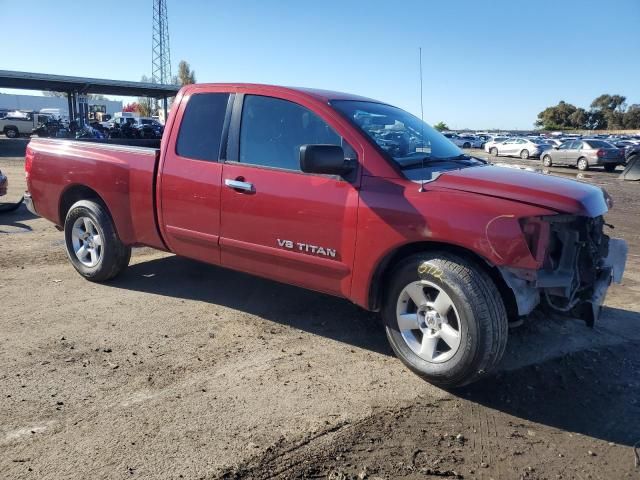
x=277, y=221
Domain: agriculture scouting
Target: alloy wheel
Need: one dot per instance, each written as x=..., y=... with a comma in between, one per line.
x=428, y=321
x=87, y=241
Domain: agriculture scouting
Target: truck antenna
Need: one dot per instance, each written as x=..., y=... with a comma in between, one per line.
x=421, y=122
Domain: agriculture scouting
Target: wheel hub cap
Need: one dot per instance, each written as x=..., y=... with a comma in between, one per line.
x=428, y=321
x=86, y=241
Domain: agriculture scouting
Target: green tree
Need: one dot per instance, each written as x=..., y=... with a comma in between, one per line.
x=608, y=102
x=632, y=117
x=441, y=126
x=186, y=76
x=564, y=115
x=611, y=108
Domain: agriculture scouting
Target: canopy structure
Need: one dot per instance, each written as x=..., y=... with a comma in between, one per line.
x=82, y=85
x=77, y=87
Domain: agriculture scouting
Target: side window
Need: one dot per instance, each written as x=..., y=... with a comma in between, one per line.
x=273, y=130
x=201, y=127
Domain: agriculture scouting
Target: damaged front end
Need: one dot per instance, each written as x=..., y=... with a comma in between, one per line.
x=578, y=262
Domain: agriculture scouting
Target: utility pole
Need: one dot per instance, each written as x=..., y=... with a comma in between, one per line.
x=161, y=55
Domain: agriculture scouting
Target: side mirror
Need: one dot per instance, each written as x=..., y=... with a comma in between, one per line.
x=327, y=159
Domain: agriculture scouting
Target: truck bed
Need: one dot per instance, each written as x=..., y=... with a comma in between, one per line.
x=122, y=176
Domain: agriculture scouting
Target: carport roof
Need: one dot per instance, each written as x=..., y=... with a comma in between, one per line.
x=63, y=83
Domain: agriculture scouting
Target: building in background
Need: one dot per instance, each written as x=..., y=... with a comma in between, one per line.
x=36, y=103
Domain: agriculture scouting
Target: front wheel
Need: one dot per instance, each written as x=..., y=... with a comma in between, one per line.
x=93, y=245
x=494, y=151
x=444, y=318
x=466, y=145
x=583, y=164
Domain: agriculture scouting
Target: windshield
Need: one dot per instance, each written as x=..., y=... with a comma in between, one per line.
x=406, y=139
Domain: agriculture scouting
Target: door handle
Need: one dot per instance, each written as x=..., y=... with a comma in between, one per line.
x=239, y=185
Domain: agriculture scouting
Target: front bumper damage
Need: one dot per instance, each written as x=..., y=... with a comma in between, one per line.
x=580, y=264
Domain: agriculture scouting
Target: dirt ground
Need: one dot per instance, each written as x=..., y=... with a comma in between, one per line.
x=181, y=370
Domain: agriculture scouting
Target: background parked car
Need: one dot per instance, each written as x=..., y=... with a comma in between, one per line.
x=553, y=142
x=584, y=154
x=492, y=141
x=519, y=147
x=467, y=141
x=18, y=123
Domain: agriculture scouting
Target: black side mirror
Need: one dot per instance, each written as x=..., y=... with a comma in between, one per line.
x=327, y=159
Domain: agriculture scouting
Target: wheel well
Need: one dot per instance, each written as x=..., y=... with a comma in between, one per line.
x=75, y=194
x=385, y=268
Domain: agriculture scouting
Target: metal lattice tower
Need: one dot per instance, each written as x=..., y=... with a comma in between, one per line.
x=161, y=56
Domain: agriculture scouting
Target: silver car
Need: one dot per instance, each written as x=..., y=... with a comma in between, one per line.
x=584, y=154
x=519, y=147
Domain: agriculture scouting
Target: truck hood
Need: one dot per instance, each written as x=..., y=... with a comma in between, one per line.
x=555, y=193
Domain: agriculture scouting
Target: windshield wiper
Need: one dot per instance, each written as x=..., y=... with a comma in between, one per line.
x=418, y=162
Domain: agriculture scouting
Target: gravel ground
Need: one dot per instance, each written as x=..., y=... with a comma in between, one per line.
x=182, y=370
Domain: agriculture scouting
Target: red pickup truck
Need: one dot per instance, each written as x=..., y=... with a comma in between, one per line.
x=347, y=196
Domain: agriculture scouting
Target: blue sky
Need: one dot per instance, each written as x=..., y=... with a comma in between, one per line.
x=486, y=64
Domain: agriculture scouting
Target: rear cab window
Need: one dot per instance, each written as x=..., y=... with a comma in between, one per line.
x=200, y=135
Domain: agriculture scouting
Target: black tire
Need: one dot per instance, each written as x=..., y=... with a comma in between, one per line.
x=524, y=154
x=114, y=255
x=493, y=151
x=546, y=161
x=11, y=132
x=483, y=323
x=610, y=167
x=582, y=164
x=466, y=145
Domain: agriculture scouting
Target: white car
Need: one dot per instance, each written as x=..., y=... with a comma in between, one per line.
x=519, y=147
x=492, y=141
x=467, y=141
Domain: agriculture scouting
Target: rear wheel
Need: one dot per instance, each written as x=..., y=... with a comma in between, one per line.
x=583, y=164
x=444, y=318
x=546, y=161
x=466, y=145
x=93, y=245
x=494, y=151
x=11, y=132
x=610, y=167
x=524, y=154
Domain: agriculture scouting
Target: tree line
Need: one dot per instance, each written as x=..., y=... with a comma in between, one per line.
x=607, y=112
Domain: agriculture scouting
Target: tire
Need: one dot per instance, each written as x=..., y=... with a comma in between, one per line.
x=610, y=167
x=493, y=151
x=583, y=164
x=475, y=311
x=524, y=154
x=11, y=132
x=546, y=161
x=466, y=145
x=88, y=226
